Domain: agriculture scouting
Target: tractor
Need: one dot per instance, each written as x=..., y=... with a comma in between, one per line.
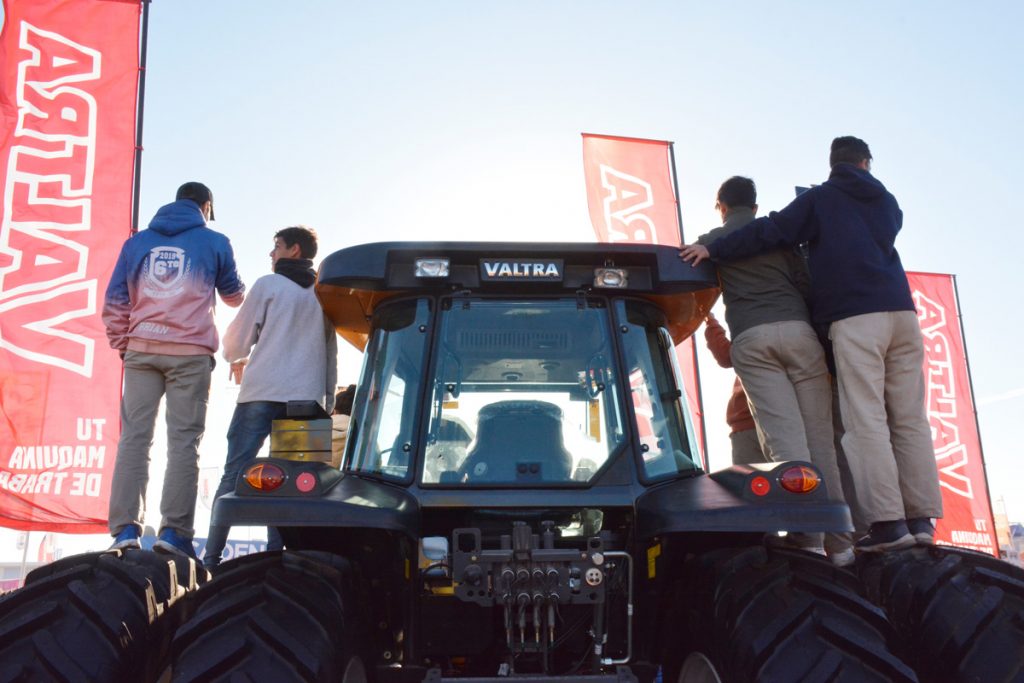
x=521, y=497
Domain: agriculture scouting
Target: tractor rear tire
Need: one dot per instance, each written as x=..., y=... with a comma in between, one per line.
x=768, y=614
x=278, y=616
x=106, y=616
x=960, y=612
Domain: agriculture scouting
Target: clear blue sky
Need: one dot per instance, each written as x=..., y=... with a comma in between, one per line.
x=461, y=120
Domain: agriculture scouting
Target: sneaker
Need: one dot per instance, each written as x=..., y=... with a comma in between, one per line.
x=808, y=542
x=923, y=530
x=884, y=536
x=171, y=542
x=843, y=558
x=127, y=538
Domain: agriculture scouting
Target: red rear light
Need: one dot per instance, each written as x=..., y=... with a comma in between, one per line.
x=760, y=486
x=265, y=476
x=305, y=482
x=799, y=479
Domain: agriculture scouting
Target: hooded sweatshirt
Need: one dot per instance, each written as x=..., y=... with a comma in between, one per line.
x=161, y=295
x=850, y=223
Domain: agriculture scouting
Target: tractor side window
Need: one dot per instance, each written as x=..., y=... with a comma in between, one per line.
x=666, y=448
x=384, y=417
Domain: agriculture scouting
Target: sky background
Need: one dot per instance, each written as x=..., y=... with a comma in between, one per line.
x=462, y=120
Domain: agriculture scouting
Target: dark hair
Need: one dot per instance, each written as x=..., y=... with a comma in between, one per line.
x=343, y=400
x=300, y=235
x=848, y=150
x=197, y=192
x=738, y=191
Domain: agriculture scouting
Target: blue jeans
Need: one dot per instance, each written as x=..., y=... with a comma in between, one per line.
x=250, y=426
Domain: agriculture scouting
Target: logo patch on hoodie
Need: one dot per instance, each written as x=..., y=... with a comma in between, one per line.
x=164, y=271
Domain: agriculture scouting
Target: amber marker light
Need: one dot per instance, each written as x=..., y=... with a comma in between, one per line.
x=799, y=479
x=265, y=477
x=760, y=486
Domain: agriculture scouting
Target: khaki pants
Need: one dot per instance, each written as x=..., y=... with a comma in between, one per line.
x=860, y=527
x=888, y=441
x=782, y=367
x=746, y=448
x=186, y=382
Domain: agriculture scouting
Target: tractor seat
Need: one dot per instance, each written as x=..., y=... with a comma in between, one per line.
x=518, y=441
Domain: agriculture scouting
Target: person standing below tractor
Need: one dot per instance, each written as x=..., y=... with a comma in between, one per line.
x=339, y=423
x=746, y=444
x=859, y=290
x=281, y=348
x=776, y=353
x=158, y=312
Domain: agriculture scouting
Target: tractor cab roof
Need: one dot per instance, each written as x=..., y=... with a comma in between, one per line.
x=352, y=282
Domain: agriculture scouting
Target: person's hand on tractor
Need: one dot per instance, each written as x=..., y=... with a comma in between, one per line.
x=694, y=253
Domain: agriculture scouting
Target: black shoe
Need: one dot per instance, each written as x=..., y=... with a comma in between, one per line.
x=885, y=536
x=922, y=529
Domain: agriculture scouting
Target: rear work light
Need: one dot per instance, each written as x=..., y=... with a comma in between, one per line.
x=799, y=479
x=265, y=476
x=611, y=277
x=431, y=267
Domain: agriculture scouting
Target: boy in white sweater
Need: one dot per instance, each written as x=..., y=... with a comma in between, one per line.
x=281, y=348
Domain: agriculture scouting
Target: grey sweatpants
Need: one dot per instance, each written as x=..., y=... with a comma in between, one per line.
x=186, y=382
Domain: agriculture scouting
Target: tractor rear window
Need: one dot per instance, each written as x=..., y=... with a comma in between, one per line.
x=525, y=394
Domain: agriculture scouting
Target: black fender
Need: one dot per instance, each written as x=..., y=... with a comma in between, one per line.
x=338, y=501
x=726, y=501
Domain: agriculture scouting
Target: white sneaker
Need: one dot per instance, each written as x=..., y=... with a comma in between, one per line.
x=843, y=558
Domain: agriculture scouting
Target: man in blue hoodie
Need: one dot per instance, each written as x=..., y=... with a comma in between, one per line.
x=158, y=312
x=859, y=293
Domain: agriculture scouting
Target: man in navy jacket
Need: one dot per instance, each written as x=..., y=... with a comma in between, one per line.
x=859, y=293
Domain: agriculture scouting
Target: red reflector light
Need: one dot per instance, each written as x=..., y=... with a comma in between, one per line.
x=305, y=482
x=760, y=486
x=799, y=479
x=264, y=476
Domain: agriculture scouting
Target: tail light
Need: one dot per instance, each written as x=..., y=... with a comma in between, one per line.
x=799, y=479
x=760, y=486
x=265, y=476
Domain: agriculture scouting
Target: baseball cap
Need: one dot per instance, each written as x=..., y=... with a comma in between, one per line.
x=198, y=193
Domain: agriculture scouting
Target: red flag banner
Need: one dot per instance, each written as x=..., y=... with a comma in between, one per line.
x=70, y=72
x=631, y=199
x=967, y=520
x=629, y=190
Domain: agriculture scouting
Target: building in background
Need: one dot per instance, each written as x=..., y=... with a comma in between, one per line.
x=1009, y=535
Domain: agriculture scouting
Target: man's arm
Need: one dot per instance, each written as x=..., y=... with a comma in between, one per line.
x=244, y=330
x=117, y=305
x=229, y=285
x=717, y=341
x=785, y=228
